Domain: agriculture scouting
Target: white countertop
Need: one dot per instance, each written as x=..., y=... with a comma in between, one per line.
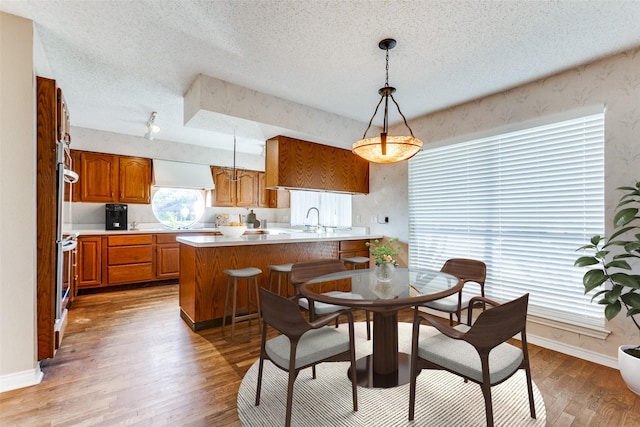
x=272, y=237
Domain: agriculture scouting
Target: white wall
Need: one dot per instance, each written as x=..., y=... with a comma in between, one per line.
x=614, y=82
x=18, y=353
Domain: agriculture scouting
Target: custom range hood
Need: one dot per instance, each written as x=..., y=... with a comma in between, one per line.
x=182, y=175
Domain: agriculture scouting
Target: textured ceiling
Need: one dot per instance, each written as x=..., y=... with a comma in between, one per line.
x=119, y=60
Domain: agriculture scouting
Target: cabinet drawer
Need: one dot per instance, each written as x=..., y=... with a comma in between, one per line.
x=130, y=273
x=129, y=255
x=134, y=239
x=353, y=245
x=165, y=238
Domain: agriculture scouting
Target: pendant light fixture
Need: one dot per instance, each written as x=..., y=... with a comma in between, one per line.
x=234, y=174
x=387, y=148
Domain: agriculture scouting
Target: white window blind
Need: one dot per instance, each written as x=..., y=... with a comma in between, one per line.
x=334, y=208
x=522, y=202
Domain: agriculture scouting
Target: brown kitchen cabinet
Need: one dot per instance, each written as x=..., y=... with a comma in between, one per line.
x=134, y=180
x=351, y=248
x=89, y=262
x=167, y=256
x=241, y=193
x=294, y=163
x=130, y=259
x=109, y=178
x=98, y=180
x=271, y=198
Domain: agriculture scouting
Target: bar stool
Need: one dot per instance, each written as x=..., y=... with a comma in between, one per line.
x=279, y=271
x=247, y=274
x=356, y=262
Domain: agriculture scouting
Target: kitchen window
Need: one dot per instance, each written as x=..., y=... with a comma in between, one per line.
x=178, y=207
x=522, y=201
x=334, y=209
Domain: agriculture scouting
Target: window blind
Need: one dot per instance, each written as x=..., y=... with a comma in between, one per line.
x=334, y=208
x=522, y=202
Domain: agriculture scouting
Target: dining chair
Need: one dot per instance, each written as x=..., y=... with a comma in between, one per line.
x=302, y=272
x=302, y=344
x=477, y=352
x=471, y=272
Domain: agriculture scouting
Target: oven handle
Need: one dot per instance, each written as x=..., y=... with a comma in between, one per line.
x=70, y=176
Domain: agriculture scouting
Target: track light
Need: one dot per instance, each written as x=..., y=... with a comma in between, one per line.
x=152, y=127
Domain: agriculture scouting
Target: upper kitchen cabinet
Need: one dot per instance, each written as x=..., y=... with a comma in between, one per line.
x=271, y=198
x=240, y=193
x=108, y=178
x=134, y=180
x=292, y=163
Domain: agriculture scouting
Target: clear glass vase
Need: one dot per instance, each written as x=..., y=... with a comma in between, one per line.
x=385, y=272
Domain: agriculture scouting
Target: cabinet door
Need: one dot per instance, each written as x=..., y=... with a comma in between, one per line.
x=134, y=180
x=246, y=189
x=89, y=261
x=279, y=199
x=99, y=177
x=167, y=261
x=263, y=196
x=225, y=191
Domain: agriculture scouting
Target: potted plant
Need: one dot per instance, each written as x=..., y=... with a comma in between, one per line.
x=385, y=258
x=613, y=279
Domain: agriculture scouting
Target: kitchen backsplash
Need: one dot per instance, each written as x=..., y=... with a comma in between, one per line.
x=90, y=214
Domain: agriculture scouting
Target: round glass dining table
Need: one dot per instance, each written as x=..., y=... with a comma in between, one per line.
x=385, y=367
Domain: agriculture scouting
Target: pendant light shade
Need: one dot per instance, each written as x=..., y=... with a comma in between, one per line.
x=387, y=148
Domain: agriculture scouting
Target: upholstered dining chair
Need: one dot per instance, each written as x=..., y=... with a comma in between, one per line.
x=302, y=272
x=302, y=344
x=477, y=352
x=471, y=272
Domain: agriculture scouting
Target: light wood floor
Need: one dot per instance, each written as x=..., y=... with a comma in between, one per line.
x=128, y=359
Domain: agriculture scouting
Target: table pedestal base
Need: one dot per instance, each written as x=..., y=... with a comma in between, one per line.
x=368, y=378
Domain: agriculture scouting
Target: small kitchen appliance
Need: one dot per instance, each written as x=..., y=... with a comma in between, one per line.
x=116, y=216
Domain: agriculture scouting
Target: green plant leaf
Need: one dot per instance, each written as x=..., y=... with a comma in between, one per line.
x=633, y=312
x=632, y=300
x=624, y=216
x=596, y=239
x=612, y=296
x=617, y=233
x=619, y=264
x=584, y=261
x=592, y=279
x=597, y=294
x=612, y=310
x=632, y=246
x=625, y=279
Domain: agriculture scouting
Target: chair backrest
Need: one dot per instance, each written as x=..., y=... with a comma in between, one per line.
x=497, y=324
x=469, y=270
x=302, y=272
x=282, y=314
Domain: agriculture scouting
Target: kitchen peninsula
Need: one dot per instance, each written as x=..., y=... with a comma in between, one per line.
x=203, y=259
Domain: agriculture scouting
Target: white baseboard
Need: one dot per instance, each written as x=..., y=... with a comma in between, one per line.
x=21, y=379
x=574, y=351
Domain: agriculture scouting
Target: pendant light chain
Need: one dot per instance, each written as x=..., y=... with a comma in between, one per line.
x=386, y=81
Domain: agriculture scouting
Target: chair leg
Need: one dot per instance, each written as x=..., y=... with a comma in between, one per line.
x=488, y=404
x=532, y=406
x=226, y=303
x=366, y=313
x=414, y=365
x=259, y=387
x=258, y=306
x=292, y=378
x=233, y=309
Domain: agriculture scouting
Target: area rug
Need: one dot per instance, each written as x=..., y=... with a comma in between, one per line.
x=442, y=399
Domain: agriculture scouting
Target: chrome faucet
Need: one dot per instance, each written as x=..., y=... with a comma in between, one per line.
x=318, y=214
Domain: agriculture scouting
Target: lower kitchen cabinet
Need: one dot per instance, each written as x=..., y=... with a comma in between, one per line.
x=89, y=262
x=351, y=248
x=130, y=259
x=167, y=256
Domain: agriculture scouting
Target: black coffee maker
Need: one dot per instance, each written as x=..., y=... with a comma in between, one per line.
x=116, y=216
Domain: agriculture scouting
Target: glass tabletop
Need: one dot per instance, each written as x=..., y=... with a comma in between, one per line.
x=407, y=286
